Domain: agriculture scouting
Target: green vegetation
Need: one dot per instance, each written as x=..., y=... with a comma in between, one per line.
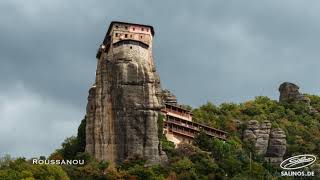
x=73, y=147
x=301, y=127
x=13, y=169
x=206, y=159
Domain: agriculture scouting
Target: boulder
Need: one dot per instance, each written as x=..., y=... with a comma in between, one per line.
x=289, y=92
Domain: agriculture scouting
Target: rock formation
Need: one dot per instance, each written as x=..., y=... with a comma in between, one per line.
x=289, y=92
x=124, y=103
x=269, y=143
x=168, y=97
x=258, y=134
x=277, y=146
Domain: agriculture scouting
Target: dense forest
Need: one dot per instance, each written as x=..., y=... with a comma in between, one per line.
x=207, y=158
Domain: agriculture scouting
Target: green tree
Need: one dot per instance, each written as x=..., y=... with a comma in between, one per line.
x=81, y=137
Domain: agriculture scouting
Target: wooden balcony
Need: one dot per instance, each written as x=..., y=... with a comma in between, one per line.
x=192, y=130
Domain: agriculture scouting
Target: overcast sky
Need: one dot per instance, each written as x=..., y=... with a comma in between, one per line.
x=218, y=51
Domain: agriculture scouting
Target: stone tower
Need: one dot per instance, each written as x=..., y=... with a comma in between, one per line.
x=124, y=103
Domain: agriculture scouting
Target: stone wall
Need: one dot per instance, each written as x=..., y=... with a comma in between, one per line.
x=123, y=32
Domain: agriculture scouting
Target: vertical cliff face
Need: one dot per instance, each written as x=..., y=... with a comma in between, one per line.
x=277, y=146
x=124, y=104
x=268, y=142
x=258, y=134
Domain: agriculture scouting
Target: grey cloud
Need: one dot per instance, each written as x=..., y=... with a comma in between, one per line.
x=220, y=51
x=33, y=125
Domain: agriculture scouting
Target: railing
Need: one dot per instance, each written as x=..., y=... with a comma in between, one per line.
x=186, y=133
x=183, y=124
x=187, y=115
x=196, y=128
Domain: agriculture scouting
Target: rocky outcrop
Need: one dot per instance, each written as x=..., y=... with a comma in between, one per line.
x=277, y=146
x=269, y=143
x=124, y=105
x=168, y=97
x=289, y=92
x=258, y=134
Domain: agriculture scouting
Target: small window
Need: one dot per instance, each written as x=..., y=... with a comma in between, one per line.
x=117, y=34
x=130, y=47
x=147, y=29
x=117, y=27
x=140, y=37
x=131, y=35
x=142, y=29
x=134, y=29
x=126, y=27
x=126, y=35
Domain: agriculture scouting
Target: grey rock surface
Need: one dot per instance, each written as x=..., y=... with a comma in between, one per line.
x=289, y=92
x=268, y=142
x=123, y=107
x=277, y=143
x=168, y=97
x=258, y=134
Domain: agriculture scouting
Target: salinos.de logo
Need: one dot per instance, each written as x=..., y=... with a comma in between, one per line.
x=297, y=162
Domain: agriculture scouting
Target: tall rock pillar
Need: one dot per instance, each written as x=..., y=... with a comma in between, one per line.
x=124, y=103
